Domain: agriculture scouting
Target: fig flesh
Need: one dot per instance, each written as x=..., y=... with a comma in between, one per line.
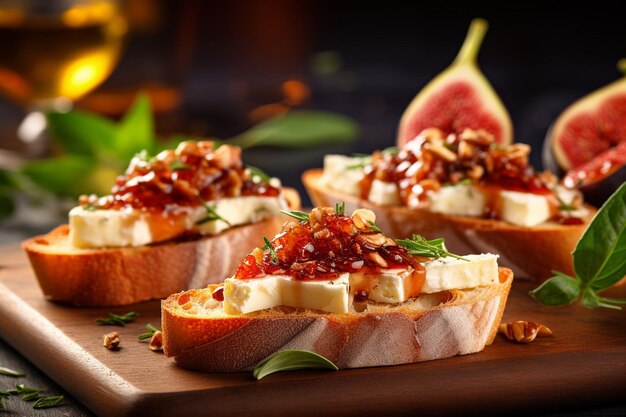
x=458, y=98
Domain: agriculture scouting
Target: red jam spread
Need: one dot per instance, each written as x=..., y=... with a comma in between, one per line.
x=327, y=245
x=432, y=161
x=193, y=173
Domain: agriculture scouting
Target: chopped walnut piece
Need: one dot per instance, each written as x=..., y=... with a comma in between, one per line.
x=111, y=340
x=476, y=172
x=432, y=134
x=479, y=137
x=441, y=151
x=156, y=342
x=524, y=331
x=374, y=240
x=375, y=257
x=318, y=213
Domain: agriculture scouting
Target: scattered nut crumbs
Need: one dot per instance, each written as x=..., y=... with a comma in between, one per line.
x=156, y=342
x=524, y=331
x=111, y=340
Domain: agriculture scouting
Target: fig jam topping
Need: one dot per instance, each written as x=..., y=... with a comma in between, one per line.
x=324, y=247
x=432, y=161
x=193, y=173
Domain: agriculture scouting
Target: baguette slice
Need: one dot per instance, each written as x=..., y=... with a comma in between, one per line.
x=121, y=276
x=199, y=335
x=531, y=252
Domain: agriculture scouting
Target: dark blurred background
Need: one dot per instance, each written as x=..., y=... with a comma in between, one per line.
x=215, y=68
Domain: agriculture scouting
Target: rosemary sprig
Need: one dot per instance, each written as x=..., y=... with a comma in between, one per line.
x=268, y=246
x=374, y=227
x=298, y=215
x=392, y=150
x=117, y=320
x=48, y=402
x=340, y=208
x=149, y=333
x=258, y=172
x=10, y=372
x=419, y=246
x=362, y=163
x=26, y=393
x=212, y=215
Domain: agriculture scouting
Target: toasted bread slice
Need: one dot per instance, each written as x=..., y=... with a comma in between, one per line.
x=121, y=276
x=199, y=335
x=531, y=252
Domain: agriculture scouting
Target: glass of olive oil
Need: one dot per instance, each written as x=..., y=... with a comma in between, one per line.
x=55, y=51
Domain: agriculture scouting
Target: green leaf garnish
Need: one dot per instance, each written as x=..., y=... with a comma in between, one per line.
x=299, y=129
x=259, y=173
x=374, y=227
x=10, y=372
x=136, y=130
x=151, y=331
x=117, y=320
x=392, y=150
x=418, y=246
x=340, y=208
x=289, y=360
x=599, y=260
x=177, y=165
x=48, y=402
x=211, y=215
x=268, y=246
x=298, y=215
x=563, y=206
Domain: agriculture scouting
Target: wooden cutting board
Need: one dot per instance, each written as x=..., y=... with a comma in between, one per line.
x=584, y=364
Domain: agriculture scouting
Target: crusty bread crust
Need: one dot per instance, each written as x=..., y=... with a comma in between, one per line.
x=532, y=252
x=199, y=335
x=122, y=276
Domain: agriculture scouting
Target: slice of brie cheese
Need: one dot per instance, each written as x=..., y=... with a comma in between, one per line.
x=458, y=200
x=339, y=175
x=524, y=209
x=334, y=296
x=384, y=193
x=131, y=227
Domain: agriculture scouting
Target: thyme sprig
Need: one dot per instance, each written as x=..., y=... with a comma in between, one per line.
x=374, y=226
x=563, y=206
x=211, y=215
x=340, y=208
x=10, y=372
x=117, y=320
x=259, y=173
x=419, y=246
x=148, y=335
x=48, y=402
x=298, y=215
x=268, y=246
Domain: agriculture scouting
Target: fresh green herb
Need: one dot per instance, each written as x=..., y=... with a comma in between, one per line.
x=27, y=393
x=374, y=227
x=392, y=150
x=10, y=372
x=268, y=246
x=48, y=402
x=419, y=246
x=118, y=320
x=177, y=165
x=467, y=182
x=5, y=394
x=144, y=155
x=360, y=164
x=90, y=207
x=599, y=260
x=563, y=206
x=2, y=407
x=298, y=215
x=340, y=208
x=151, y=331
x=212, y=215
x=289, y=360
x=259, y=173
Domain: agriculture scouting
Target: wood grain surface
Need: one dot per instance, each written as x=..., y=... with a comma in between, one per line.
x=584, y=364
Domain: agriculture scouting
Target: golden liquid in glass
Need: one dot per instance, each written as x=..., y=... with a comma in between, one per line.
x=64, y=55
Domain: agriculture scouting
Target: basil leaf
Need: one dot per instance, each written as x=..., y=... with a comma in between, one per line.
x=10, y=372
x=600, y=255
x=299, y=129
x=82, y=133
x=559, y=290
x=289, y=360
x=60, y=175
x=135, y=131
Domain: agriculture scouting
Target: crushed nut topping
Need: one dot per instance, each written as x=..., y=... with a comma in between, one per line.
x=111, y=340
x=156, y=342
x=193, y=173
x=524, y=331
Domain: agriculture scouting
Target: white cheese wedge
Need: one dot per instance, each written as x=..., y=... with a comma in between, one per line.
x=390, y=286
x=384, y=193
x=339, y=175
x=524, y=209
x=458, y=200
x=245, y=296
x=450, y=273
x=128, y=227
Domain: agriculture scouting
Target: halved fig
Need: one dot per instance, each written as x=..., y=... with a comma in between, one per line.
x=588, y=141
x=458, y=98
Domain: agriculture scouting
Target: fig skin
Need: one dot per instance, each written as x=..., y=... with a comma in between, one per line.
x=462, y=78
